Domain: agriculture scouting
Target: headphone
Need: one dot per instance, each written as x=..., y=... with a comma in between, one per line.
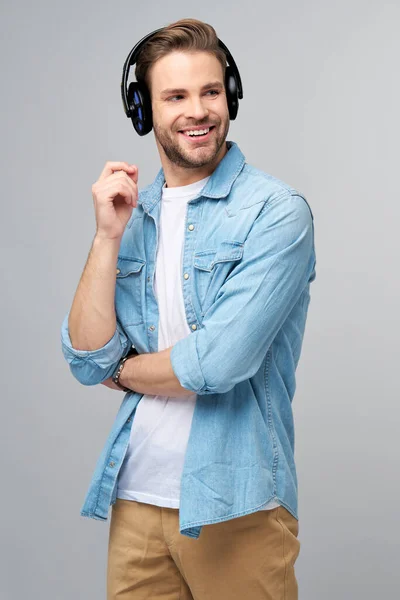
x=136, y=99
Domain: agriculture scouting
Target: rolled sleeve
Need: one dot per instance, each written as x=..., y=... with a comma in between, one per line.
x=93, y=366
x=186, y=366
x=254, y=301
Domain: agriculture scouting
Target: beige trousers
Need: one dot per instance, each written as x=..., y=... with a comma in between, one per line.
x=250, y=557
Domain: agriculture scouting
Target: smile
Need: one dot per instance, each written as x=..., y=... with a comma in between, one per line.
x=196, y=138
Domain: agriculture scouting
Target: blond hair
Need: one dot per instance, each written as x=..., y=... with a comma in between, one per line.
x=186, y=34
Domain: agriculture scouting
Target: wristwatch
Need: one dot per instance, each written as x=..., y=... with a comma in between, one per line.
x=116, y=376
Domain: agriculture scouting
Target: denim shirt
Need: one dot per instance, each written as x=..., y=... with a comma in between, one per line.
x=247, y=264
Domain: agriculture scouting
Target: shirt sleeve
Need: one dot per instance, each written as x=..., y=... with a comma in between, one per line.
x=252, y=304
x=91, y=367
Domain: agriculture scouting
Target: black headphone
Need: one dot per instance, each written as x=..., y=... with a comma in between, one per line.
x=136, y=99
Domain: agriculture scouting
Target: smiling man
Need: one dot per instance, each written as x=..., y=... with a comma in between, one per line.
x=194, y=301
x=190, y=123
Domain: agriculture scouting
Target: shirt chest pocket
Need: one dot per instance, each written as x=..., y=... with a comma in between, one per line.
x=211, y=268
x=128, y=290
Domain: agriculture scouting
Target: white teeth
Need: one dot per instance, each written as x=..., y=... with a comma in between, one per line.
x=197, y=132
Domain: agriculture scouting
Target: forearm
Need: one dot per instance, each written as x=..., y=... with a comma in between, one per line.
x=92, y=319
x=152, y=373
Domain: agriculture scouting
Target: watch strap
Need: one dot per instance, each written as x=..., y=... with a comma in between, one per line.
x=118, y=372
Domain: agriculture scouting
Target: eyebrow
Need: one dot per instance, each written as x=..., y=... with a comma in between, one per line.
x=214, y=84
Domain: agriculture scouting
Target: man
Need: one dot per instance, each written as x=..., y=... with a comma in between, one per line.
x=206, y=274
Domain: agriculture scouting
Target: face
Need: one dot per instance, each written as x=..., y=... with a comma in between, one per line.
x=187, y=90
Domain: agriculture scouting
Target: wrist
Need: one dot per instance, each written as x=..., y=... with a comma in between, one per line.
x=125, y=378
x=99, y=241
x=120, y=376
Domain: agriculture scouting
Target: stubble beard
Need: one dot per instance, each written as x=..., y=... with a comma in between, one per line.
x=190, y=158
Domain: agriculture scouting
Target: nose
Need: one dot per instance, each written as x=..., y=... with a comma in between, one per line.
x=196, y=109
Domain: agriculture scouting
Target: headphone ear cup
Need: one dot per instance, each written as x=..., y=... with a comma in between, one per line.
x=231, y=89
x=139, y=105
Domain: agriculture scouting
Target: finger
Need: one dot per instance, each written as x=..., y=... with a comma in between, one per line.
x=112, y=166
x=133, y=173
x=121, y=175
x=121, y=188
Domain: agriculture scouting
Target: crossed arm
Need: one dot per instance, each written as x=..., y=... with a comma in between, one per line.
x=251, y=306
x=150, y=373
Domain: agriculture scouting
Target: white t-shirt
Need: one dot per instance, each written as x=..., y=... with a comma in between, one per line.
x=153, y=464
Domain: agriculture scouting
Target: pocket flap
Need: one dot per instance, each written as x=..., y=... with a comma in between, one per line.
x=227, y=251
x=126, y=266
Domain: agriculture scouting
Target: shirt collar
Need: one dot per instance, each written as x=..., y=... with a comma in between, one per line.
x=218, y=186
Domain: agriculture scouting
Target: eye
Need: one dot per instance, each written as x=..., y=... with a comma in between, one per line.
x=172, y=98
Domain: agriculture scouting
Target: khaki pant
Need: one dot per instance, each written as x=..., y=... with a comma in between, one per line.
x=249, y=557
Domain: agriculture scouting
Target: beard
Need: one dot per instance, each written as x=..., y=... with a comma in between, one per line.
x=182, y=155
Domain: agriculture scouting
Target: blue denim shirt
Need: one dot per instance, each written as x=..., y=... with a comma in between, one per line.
x=249, y=253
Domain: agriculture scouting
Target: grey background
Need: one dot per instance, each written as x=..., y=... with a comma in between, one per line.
x=320, y=111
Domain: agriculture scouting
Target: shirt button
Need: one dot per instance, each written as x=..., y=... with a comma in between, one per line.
x=112, y=464
x=194, y=326
x=129, y=420
x=148, y=279
x=191, y=227
x=186, y=275
x=152, y=328
x=118, y=271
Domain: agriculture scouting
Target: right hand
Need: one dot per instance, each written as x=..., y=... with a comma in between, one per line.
x=115, y=194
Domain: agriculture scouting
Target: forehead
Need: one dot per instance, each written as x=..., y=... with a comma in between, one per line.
x=188, y=70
